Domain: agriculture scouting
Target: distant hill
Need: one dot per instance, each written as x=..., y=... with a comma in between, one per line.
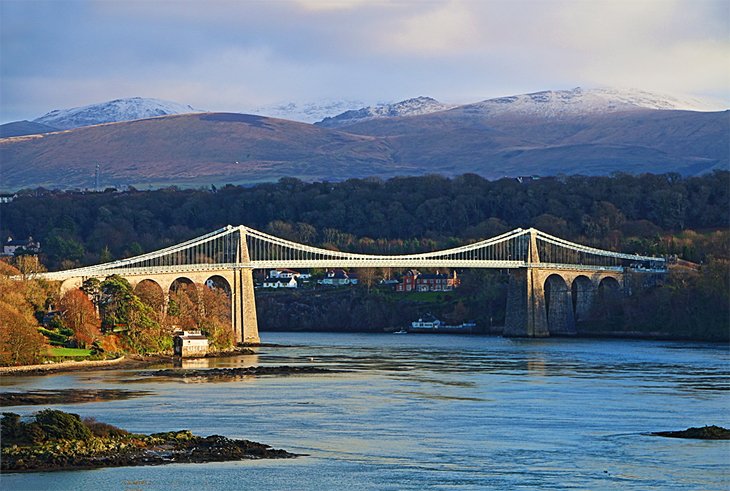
x=112, y=112
x=636, y=141
x=20, y=128
x=190, y=150
x=307, y=112
x=410, y=107
x=549, y=103
x=546, y=133
x=579, y=101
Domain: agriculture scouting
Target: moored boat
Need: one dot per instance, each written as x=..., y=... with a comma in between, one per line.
x=434, y=325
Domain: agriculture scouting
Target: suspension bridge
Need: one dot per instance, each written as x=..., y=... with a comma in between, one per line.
x=553, y=283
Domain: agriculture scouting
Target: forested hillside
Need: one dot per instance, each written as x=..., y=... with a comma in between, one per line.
x=652, y=214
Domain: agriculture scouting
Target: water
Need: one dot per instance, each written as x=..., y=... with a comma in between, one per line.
x=429, y=411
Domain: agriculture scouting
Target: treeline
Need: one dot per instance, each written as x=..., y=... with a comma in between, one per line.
x=652, y=214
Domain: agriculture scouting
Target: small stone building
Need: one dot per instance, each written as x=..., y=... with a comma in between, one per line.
x=190, y=344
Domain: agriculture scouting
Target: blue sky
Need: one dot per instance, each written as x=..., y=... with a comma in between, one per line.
x=236, y=55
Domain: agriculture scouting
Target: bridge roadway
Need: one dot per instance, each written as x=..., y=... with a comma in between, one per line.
x=544, y=297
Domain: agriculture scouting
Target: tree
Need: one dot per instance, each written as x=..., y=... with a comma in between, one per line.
x=184, y=306
x=123, y=311
x=116, y=302
x=105, y=255
x=29, y=265
x=368, y=276
x=151, y=294
x=215, y=317
x=20, y=341
x=79, y=314
x=92, y=288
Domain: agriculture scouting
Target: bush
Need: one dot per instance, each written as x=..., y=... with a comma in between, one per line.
x=57, y=425
x=103, y=430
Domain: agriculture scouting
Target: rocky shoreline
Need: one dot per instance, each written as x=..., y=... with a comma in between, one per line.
x=222, y=374
x=66, y=396
x=130, y=361
x=61, y=441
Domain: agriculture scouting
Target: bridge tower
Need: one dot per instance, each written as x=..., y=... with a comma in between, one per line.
x=243, y=302
x=526, y=312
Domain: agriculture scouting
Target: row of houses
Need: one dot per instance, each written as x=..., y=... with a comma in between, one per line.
x=288, y=278
x=410, y=281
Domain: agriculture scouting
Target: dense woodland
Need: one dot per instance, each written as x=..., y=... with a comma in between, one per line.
x=653, y=214
x=648, y=214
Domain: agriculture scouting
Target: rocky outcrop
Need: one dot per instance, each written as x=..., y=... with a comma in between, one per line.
x=704, y=433
x=224, y=374
x=61, y=441
x=66, y=396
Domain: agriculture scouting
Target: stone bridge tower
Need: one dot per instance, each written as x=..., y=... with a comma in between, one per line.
x=543, y=300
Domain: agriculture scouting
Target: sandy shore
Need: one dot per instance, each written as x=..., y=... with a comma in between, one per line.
x=125, y=361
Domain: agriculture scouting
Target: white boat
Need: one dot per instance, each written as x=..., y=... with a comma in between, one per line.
x=402, y=331
x=426, y=324
x=435, y=325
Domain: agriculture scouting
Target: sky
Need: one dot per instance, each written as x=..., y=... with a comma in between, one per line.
x=236, y=55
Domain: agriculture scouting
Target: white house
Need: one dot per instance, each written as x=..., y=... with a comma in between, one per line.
x=280, y=282
x=190, y=344
x=12, y=246
x=288, y=273
x=338, y=277
x=7, y=198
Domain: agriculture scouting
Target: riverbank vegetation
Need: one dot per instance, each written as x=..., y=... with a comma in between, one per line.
x=651, y=214
x=102, y=319
x=55, y=440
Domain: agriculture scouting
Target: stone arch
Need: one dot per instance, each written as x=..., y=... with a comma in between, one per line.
x=184, y=303
x=70, y=284
x=215, y=305
x=609, y=287
x=220, y=283
x=608, y=299
x=559, y=306
x=151, y=293
x=583, y=292
x=181, y=282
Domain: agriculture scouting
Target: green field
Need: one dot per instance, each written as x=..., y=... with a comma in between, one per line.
x=69, y=352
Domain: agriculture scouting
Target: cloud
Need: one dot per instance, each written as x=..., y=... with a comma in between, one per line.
x=445, y=30
x=320, y=5
x=223, y=54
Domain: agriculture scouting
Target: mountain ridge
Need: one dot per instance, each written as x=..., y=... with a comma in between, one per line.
x=409, y=107
x=114, y=111
x=196, y=149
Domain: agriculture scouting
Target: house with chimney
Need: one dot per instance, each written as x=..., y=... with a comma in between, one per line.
x=13, y=247
x=338, y=277
x=415, y=281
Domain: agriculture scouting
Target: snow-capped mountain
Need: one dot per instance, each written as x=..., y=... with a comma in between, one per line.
x=306, y=112
x=112, y=112
x=409, y=107
x=579, y=101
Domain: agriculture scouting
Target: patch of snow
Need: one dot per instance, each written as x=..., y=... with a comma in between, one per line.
x=112, y=112
x=307, y=112
x=555, y=103
x=409, y=107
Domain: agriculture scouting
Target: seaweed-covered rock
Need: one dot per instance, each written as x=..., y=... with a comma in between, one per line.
x=224, y=374
x=705, y=433
x=71, y=444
